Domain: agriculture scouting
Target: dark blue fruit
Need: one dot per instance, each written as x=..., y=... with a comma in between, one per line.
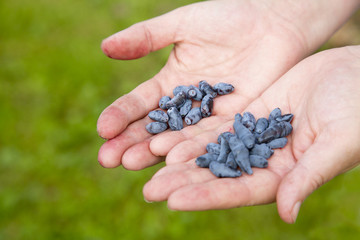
x=243, y=133
x=261, y=125
x=207, y=106
x=180, y=88
x=262, y=150
x=193, y=116
x=222, y=170
x=258, y=161
x=241, y=154
x=207, y=89
x=213, y=148
x=175, y=121
x=159, y=116
x=225, y=135
x=248, y=120
x=274, y=114
x=278, y=143
x=204, y=160
x=230, y=161
x=223, y=88
x=185, y=109
x=177, y=101
x=278, y=130
x=156, y=127
x=163, y=101
x=287, y=118
x=224, y=150
x=238, y=117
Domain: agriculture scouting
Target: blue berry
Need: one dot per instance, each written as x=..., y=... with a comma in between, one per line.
x=207, y=105
x=223, y=88
x=193, y=116
x=159, y=116
x=175, y=121
x=222, y=170
x=156, y=127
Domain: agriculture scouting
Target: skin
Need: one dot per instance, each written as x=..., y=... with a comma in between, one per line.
x=324, y=143
x=241, y=42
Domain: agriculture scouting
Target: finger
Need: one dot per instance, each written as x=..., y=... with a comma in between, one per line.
x=325, y=159
x=174, y=168
x=159, y=188
x=195, y=146
x=223, y=193
x=142, y=38
x=111, y=151
x=139, y=156
x=129, y=108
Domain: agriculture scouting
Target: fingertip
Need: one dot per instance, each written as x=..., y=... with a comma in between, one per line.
x=162, y=144
x=153, y=191
x=109, y=124
x=104, y=48
x=139, y=157
x=127, y=44
x=108, y=157
x=291, y=193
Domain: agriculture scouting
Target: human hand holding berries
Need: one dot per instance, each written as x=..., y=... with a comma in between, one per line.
x=249, y=44
x=323, y=93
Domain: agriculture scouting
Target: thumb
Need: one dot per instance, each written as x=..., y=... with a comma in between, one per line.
x=144, y=37
x=325, y=159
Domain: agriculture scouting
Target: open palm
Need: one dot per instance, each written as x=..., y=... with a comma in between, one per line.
x=323, y=93
x=245, y=43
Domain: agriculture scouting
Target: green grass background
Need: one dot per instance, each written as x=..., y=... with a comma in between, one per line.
x=54, y=83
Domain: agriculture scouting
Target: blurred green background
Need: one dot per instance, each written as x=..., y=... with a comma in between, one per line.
x=54, y=83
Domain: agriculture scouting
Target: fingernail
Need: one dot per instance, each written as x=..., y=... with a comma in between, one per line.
x=147, y=201
x=295, y=211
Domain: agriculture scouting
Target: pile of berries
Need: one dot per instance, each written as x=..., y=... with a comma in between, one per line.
x=250, y=146
x=180, y=106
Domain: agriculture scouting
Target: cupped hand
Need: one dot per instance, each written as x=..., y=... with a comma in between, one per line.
x=322, y=92
x=245, y=43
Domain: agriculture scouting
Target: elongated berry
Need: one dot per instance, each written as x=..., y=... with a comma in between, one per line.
x=206, y=88
x=241, y=154
x=278, y=143
x=177, y=101
x=185, y=109
x=278, y=130
x=159, y=116
x=262, y=150
x=163, y=101
x=193, y=116
x=243, y=133
x=261, y=125
x=207, y=106
x=204, y=160
x=213, y=148
x=258, y=161
x=224, y=150
x=223, y=88
x=175, y=121
x=222, y=170
x=230, y=161
x=286, y=117
x=179, y=89
x=274, y=114
x=225, y=135
x=156, y=127
x=248, y=120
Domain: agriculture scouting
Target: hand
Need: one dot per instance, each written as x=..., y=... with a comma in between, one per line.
x=322, y=92
x=249, y=44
